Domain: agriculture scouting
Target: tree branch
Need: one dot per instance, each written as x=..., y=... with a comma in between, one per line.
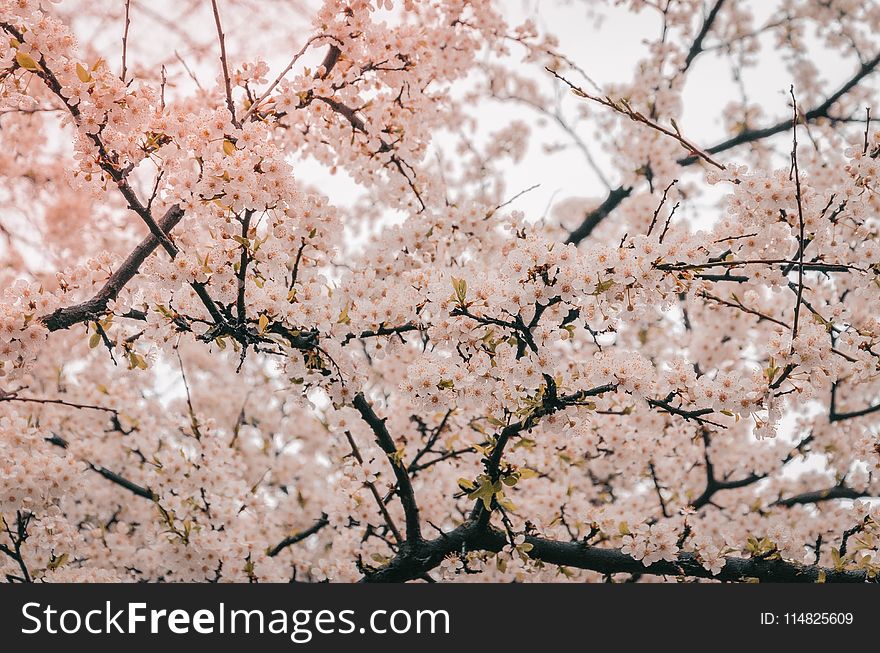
x=404, y=485
x=64, y=318
x=224, y=62
x=471, y=537
x=818, y=496
x=320, y=523
x=697, y=45
x=616, y=195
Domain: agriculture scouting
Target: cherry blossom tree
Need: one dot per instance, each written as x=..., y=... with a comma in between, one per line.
x=212, y=369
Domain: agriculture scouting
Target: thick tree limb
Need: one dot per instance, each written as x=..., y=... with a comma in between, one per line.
x=404, y=485
x=470, y=537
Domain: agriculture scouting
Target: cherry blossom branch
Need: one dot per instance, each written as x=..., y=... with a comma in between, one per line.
x=13, y=396
x=93, y=308
x=658, y=490
x=320, y=523
x=697, y=46
x=284, y=72
x=372, y=487
x=819, y=111
x=118, y=176
x=696, y=414
x=471, y=536
x=800, y=208
x=243, y=263
x=623, y=107
x=714, y=486
x=432, y=439
x=17, y=539
x=359, y=125
x=111, y=476
x=224, y=63
x=763, y=317
x=404, y=485
x=414, y=469
x=551, y=403
x=382, y=331
x=617, y=195
x=817, y=496
x=815, y=266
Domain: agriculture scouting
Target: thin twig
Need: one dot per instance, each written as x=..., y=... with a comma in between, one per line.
x=623, y=107
x=800, y=208
x=224, y=62
x=125, y=39
x=281, y=76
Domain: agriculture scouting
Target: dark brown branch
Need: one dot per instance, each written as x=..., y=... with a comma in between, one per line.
x=837, y=417
x=658, y=490
x=320, y=523
x=123, y=482
x=820, y=111
x=13, y=396
x=243, y=262
x=111, y=476
x=22, y=519
x=594, y=217
x=471, y=537
x=404, y=485
x=95, y=307
x=697, y=45
x=224, y=63
x=818, y=496
x=695, y=414
x=748, y=136
x=813, y=266
x=796, y=173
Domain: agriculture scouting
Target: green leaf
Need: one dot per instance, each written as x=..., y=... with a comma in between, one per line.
x=485, y=491
x=57, y=561
x=397, y=457
x=838, y=561
x=84, y=75
x=460, y=287
x=27, y=62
